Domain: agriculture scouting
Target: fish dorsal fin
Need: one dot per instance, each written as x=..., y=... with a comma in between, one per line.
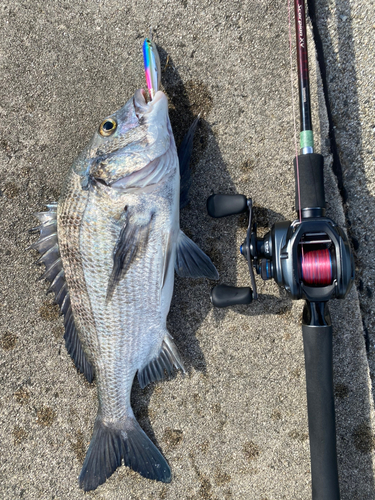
x=191, y=262
x=167, y=359
x=48, y=247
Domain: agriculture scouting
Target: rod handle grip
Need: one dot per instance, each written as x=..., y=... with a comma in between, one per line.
x=317, y=342
x=311, y=181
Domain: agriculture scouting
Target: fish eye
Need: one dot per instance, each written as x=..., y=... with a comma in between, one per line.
x=107, y=127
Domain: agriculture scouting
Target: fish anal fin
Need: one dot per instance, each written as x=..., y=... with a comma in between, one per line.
x=48, y=247
x=167, y=359
x=116, y=441
x=191, y=261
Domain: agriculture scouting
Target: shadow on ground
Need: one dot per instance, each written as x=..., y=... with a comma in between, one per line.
x=186, y=101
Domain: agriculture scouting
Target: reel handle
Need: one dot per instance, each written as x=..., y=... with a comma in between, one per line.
x=222, y=205
x=226, y=295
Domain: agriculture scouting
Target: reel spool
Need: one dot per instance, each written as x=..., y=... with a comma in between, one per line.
x=317, y=267
x=317, y=264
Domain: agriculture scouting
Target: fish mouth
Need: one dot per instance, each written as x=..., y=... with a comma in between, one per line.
x=140, y=103
x=144, y=107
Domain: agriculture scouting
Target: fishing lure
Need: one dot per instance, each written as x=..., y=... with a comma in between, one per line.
x=152, y=66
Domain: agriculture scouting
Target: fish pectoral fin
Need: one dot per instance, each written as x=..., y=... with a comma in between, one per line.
x=121, y=440
x=167, y=359
x=184, y=156
x=191, y=262
x=48, y=247
x=132, y=239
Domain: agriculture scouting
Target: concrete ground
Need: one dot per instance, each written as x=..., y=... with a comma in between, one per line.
x=347, y=31
x=236, y=426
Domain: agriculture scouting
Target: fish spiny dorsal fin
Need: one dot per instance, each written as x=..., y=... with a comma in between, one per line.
x=167, y=359
x=48, y=247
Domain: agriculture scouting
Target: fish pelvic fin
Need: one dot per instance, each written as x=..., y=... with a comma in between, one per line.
x=132, y=239
x=191, y=262
x=167, y=359
x=114, y=442
x=48, y=247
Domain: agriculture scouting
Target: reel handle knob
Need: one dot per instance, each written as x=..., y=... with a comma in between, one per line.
x=221, y=205
x=225, y=295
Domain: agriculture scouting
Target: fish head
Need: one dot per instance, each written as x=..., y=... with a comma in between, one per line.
x=127, y=142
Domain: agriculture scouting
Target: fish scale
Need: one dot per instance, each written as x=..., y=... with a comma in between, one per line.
x=117, y=322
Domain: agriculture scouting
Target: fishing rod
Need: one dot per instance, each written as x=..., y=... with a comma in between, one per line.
x=311, y=259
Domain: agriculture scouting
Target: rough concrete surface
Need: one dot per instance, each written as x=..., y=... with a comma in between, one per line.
x=347, y=32
x=236, y=425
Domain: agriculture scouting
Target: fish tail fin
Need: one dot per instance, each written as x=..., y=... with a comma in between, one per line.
x=121, y=440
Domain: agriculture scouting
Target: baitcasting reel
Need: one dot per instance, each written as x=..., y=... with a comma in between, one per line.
x=310, y=258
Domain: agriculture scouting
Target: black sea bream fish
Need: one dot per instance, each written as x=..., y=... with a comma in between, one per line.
x=110, y=246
